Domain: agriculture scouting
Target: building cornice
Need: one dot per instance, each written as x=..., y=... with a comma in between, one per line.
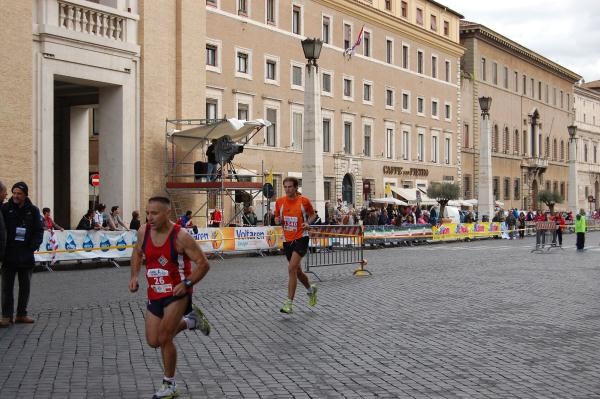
x=375, y=17
x=582, y=91
x=472, y=29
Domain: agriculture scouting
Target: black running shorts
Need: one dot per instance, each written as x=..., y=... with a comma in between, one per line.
x=157, y=308
x=300, y=246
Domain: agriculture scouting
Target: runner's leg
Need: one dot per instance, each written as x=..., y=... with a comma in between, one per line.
x=166, y=332
x=293, y=270
x=152, y=324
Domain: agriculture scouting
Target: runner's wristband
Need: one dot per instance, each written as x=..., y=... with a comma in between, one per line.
x=188, y=283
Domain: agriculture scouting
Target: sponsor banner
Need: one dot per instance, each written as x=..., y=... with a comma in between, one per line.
x=81, y=244
x=325, y=236
x=231, y=239
x=397, y=233
x=459, y=231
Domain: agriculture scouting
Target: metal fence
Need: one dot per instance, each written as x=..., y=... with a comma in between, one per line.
x=336, y=245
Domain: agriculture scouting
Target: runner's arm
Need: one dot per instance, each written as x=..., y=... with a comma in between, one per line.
x=136, y=260
x=185, y=243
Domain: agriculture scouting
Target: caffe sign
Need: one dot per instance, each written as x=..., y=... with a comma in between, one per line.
x=402, y=171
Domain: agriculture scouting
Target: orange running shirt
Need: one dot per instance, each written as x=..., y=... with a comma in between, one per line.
x=292, y=213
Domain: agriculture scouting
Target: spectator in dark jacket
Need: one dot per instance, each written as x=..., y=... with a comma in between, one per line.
x=2, y=225
x=24, y=233
x=87, y=221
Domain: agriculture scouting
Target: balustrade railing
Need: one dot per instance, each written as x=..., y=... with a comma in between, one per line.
x=88, y=20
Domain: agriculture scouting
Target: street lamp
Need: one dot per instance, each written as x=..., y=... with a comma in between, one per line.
x=484, y=192
x=572, y=129
x=312, y=50
x=312, y=137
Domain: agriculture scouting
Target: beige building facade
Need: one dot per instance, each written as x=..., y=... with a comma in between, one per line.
x=532, y=105
x=389, y=110
x=587, y=120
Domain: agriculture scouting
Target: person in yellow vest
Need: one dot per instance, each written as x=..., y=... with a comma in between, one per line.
x=580, y=229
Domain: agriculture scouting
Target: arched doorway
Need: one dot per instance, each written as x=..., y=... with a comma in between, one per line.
x=348, y=189
x=534, y=195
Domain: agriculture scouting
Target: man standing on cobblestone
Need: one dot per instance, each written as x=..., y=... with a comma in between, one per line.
x=24, y=235
x=295, y=213
x=168, y=250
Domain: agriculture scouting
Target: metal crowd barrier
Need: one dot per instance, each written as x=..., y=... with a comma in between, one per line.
x=336, y=245
x=541, y=228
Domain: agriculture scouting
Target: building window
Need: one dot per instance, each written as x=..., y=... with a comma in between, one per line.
x=448, y=112
x=446, y=28
x=243, y=112
x=404, y=9
x=405, y=102
x=517, y=188
x=495, y=139
x=516, y=142
x=367, y=92
x=532, y=86
x=434, y=149
x=405, y=53
x=347, y=36
x=388, y=5
x=595, y=154
x=507, y=188
x=212, y=3
x=516, y=82
x=505, y=140
x=447, y=149
x=434, y=108
x=242, y=7
x=495, y=73
x=271, y=70
x=367, y=44
x=242, y=62
x=540, y=91
x=389, y=143
x=297, y=20
x=326, y=29
x=547, y=149
x=420, y=105
x=405, y=145
x=297, y=131
x=348, y=137
x=367, y=140
x=420, y=146
x=296, y=76
x=419, y=62
x=506, y=77
x=524, y=85
x=389, y=98
x=326, y=135
x=212, y=109
x=272, y=130
x=270, y=6
x=562, y=104
x=348, y=89
x=327, y=189
x=419, y=16
x=546, y=94
x=555, y=187
x=389, y=51
x=483, y=70
x=326, y=83
x=568, y=101
x=466, y=136
x=447, y=78
x=554, y=96
x=434, y=66
x=467, y=186
x=211, y=55
x=554, y=150
x=433, y=22
x=585, y=153
x=495, y=187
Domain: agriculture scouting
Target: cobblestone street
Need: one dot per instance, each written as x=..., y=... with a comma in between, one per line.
x=484, y=319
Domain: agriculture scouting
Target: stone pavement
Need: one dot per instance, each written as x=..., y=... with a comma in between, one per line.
x=485, y=319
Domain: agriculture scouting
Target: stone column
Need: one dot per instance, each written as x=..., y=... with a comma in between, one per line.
x=485, y=195
x=312, y=141
x=80, y=161
x=573, y=175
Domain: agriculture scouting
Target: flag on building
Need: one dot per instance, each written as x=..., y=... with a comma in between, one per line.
x=351, y=50
x=388, y=189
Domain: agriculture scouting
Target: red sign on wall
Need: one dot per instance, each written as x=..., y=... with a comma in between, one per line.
x=95, y=180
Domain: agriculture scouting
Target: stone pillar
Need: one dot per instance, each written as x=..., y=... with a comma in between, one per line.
x=80, y=161
x=485, y=195
x=312, y=141
x=45, y=140
x=573, y=187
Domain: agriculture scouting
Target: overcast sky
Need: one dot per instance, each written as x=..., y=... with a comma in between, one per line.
x=566, y=32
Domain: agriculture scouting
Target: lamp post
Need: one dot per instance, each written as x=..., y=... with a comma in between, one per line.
x=312, y=137
x=484, y=194
x=572, y=169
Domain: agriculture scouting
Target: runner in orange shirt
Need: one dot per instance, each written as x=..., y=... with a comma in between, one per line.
x=295, y=213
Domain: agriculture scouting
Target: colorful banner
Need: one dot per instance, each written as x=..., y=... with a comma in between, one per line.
x=460, y=231
x=390, y=233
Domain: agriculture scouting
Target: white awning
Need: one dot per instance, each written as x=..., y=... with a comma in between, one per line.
x=389, y=200
x=410, y=195
x=234, y=128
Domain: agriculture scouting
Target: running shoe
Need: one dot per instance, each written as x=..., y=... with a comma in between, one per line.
x=200, y=321
x=312, y=296
x=287, y=307
x=167, y=390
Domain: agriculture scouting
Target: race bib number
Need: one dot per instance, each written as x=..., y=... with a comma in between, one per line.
x=290, y=223
x=159, y=280
x=20, y=233
x=162, y=288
